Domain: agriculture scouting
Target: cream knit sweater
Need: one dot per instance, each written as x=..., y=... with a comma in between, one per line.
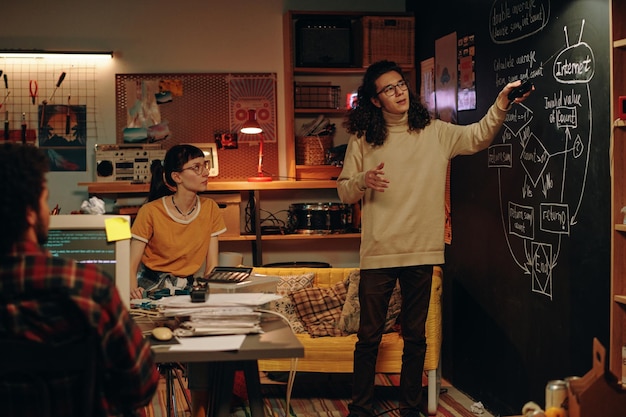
x=404, y=225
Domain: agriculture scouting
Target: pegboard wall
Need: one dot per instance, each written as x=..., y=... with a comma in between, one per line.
x=27, y=82
x=195, y=108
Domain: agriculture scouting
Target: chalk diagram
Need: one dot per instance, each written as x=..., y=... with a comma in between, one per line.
x=540, y=202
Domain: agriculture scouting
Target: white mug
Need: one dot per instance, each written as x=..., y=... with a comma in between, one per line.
x=230, y=259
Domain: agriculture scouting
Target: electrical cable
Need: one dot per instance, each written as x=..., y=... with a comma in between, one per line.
x=270, y=218
x=294, y=361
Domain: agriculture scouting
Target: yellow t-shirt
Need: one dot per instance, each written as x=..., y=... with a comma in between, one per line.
x=177, y=246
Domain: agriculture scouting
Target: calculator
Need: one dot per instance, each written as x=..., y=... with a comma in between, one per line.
x=226, y=274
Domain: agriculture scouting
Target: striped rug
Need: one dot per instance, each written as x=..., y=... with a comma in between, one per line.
x=314, y=395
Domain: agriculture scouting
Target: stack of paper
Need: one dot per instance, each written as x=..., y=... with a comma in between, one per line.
x=220, y=314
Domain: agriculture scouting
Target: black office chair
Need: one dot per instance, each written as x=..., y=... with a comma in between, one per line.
x=28, y=369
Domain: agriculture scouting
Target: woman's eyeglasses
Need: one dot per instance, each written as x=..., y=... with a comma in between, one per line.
x=198, y=169
x=390, y=90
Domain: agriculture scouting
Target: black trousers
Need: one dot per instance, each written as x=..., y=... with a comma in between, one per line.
x=375, y=289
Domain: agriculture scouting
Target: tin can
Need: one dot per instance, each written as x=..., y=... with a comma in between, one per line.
x=556, y=394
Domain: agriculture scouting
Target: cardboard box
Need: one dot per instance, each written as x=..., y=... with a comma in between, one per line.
x=230, y=207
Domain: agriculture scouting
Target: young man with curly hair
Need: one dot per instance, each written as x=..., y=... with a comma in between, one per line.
x=396, y=164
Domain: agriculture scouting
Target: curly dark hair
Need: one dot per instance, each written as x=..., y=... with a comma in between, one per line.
x=23, y=171
x=162, y=183
x=367, y=119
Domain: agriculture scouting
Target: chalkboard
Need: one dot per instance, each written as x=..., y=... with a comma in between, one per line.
x=527, y=273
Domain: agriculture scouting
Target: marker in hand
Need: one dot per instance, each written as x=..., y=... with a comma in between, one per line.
x=520, y=90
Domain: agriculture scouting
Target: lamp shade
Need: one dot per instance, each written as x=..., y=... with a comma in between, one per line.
x=251, y=126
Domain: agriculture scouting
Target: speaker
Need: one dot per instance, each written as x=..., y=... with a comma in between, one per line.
x=324, y=43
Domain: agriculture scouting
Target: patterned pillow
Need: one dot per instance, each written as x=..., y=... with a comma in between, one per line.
x=285, y=306
x=320, y=308
x=349, y=320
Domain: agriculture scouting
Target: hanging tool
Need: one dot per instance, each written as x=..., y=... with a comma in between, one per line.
x=33, y=87
x=67, y=116
x=58, y=84
x=23, y=127
x=45, y=102
x=6, y=125
x=5, y=99
x=6, y=87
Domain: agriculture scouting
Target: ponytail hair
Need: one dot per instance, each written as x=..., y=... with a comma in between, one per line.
x=162, y=183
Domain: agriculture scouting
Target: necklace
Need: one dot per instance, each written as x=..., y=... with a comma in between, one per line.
x=190, y=211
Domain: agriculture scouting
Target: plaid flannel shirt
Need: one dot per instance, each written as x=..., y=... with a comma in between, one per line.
x=128, y=376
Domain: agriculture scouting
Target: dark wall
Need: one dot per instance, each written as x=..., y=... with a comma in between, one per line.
x=527, y=276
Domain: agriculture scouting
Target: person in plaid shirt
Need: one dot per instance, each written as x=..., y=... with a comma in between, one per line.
x=30, y=276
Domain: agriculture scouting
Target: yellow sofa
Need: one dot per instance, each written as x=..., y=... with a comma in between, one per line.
x=335, y=354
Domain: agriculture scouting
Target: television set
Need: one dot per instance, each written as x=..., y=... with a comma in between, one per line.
x=83, y=237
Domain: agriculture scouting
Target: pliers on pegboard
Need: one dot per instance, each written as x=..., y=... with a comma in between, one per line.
x=33, y=87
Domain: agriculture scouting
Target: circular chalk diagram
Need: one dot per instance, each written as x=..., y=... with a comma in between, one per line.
x=539, y=201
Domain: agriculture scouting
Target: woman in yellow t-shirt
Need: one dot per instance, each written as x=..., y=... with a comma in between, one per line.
x=174, y=239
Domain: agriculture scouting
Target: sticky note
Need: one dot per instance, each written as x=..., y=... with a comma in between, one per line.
x=117, y=228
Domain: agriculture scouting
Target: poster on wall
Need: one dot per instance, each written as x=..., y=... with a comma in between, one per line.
x=256, y=93
x=467, y=77
x=63, y=136
x=446, y=77
x=144, y=123
x=427, y=91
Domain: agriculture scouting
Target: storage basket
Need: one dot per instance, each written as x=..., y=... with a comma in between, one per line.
x=317, y=96
x=388, y=37
x=312, y=150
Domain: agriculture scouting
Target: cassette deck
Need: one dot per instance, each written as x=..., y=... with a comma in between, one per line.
x=126, y=162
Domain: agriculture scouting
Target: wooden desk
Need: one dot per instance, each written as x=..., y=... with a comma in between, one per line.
x=276, y=341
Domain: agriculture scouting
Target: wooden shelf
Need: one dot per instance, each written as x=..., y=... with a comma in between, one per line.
x=124, y=187
x=304, y=236
x=328, y=71
x=618, y=193
x=620, y=227
x=318, y=172
x=620, y=43
x=318, y=111
x=348, y=77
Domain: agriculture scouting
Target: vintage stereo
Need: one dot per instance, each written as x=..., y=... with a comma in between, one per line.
x=127, y=162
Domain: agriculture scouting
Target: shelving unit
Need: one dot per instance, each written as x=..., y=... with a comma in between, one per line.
x=347, y=78
x=618, y=191
x=254, y=189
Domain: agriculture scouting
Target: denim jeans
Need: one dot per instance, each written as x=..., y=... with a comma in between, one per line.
x=375, y=289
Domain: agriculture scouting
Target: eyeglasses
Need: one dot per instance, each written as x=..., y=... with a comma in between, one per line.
x=390, y=90
x=198, y=169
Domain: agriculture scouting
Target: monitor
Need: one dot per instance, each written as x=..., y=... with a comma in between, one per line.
x=83, y=237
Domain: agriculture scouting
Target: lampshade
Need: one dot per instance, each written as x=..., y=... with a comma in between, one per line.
x=251, y=126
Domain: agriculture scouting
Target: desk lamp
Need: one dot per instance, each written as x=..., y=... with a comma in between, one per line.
x=252, y=127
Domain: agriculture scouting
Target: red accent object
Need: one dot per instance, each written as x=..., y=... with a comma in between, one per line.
x=252, y=127
x=260, y=177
